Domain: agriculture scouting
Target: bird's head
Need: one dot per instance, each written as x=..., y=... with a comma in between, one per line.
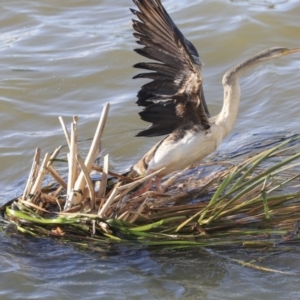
x=275, y=53
x=262, y=56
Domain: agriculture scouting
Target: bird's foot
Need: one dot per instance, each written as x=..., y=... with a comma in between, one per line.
x=143, y=189
x=158, y=185
x=147, y=185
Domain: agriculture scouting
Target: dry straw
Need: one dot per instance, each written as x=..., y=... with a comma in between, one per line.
x=248, y=202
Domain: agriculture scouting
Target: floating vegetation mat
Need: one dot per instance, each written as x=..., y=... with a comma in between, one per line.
x=248, y=201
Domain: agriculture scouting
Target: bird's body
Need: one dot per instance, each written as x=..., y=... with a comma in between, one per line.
x=176, y=152
x=174, y=100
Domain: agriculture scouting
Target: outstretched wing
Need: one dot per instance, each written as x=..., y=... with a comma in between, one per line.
x=175, y=93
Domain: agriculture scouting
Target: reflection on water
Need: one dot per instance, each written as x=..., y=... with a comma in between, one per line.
x=45, y=268
x=62, y=58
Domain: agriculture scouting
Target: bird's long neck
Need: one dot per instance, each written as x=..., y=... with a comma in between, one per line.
x=232, y=93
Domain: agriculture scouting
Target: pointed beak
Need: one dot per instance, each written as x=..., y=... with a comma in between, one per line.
x=290, y=51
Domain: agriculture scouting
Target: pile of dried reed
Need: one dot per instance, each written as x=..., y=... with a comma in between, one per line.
x=251, y=203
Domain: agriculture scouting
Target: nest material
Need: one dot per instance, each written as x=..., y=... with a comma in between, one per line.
x=251, y=201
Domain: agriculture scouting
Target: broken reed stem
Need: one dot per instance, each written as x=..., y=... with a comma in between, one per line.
x=36, y=188
x=124, y=178
x=127, y=188
x=31, y=178
x=108, y=202
x=57, y=192
x=138, y=212
x=29, y=203
x=123, y=216
x=65, y=130
x=130, y=186
x=88, y=181
x=53, y=172
x=104, y=177
x=72, y=157
x=57, y=177
x=54, y=155
x=75, y=198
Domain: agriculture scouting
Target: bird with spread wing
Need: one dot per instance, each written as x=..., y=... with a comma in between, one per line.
x=174, y=100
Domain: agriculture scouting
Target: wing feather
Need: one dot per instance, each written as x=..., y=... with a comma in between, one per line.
x=175, y=94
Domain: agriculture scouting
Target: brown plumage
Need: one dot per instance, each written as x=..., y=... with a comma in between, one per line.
x=174, y=98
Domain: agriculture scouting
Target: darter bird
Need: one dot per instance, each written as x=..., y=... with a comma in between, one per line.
x=174, y=100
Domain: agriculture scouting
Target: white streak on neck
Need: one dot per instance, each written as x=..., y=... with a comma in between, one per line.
x=232, y=94
x=225, y=120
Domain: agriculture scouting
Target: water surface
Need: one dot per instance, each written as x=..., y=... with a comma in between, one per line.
x=69, y=58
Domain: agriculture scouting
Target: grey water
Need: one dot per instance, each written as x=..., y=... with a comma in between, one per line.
x=65, y=58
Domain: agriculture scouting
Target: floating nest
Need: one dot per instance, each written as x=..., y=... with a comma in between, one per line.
x=241, y=201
